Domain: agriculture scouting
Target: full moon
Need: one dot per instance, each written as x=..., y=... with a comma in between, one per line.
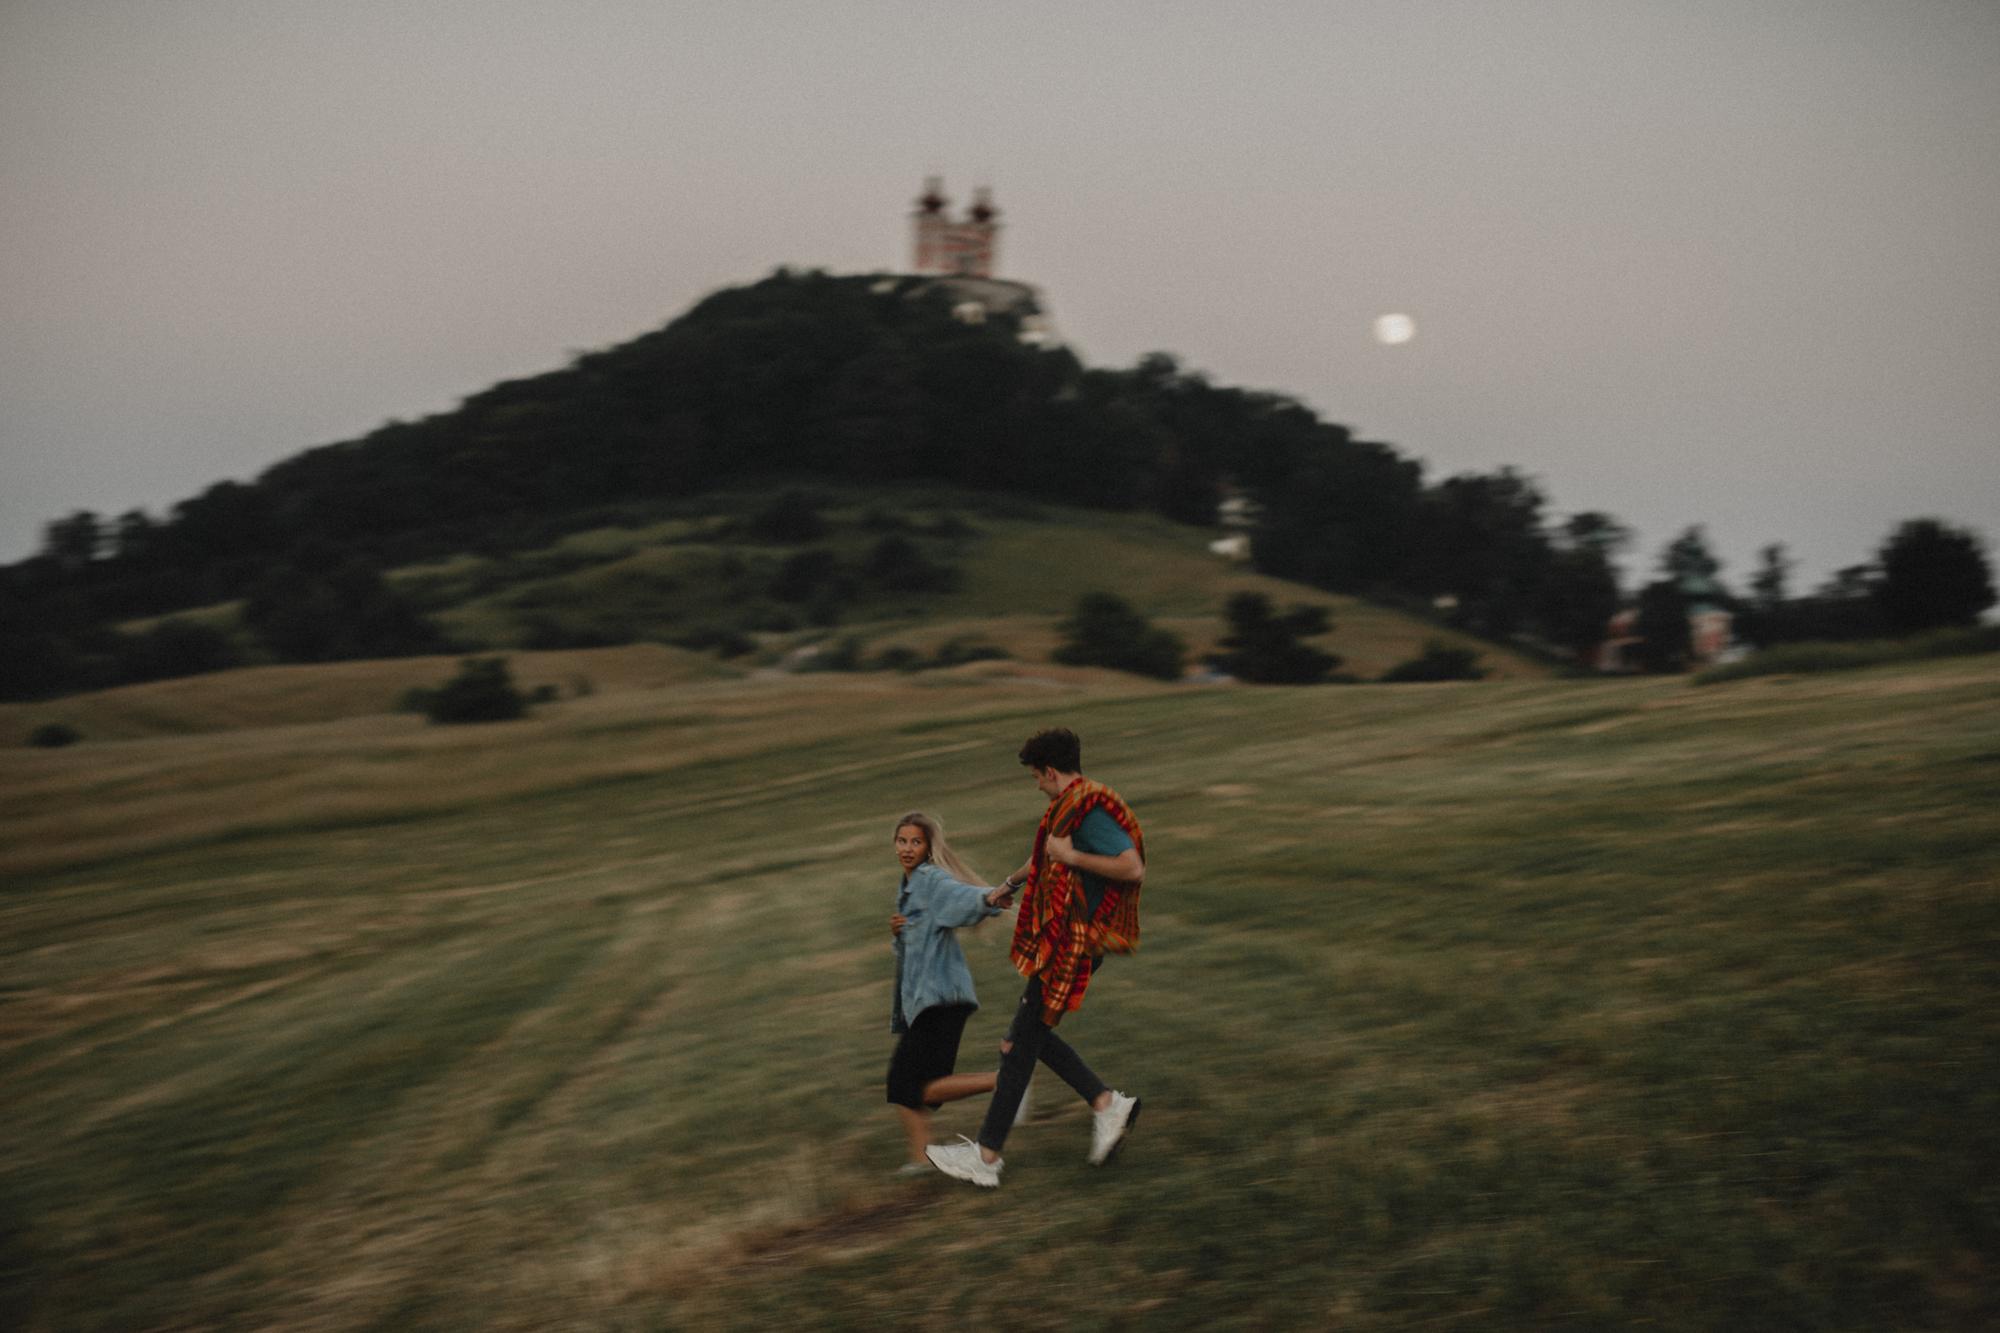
x=1395, y=329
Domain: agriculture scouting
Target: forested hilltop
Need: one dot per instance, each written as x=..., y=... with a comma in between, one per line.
x=854, y=380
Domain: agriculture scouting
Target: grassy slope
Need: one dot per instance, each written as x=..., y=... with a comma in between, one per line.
x=1022, y=576
x=270, y=696
x=1505, y=1005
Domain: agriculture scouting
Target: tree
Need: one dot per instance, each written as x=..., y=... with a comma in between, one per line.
x=1774, y=572
x=1594, y=530
x=1482, y=542
x=1266, y=646
x=1688, y=557
x=74, y=542
x=1933, y=575
x=1578, y=593
x=1105, y=631
x=1666, y=640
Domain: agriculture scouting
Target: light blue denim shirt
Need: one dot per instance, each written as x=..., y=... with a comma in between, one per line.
x=930, y=968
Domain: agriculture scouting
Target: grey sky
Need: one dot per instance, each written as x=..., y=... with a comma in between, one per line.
x=1733, y=263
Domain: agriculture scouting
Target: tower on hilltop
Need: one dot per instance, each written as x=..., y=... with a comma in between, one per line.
x=955, y=260
x=963, y=248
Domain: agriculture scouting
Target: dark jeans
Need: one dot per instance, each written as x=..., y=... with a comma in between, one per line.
x=1033, y=1040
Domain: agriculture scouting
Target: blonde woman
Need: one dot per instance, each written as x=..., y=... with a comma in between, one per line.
x=934, y=994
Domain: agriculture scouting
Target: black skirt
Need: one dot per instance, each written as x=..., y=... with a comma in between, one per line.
x=929, y=1050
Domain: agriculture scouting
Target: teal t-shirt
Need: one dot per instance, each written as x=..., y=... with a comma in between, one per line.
x=1099, y=835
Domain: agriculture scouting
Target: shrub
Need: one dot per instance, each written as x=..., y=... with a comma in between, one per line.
x=955, y=651
x=1266, y=647
x=54, y=735
x=807, y=574
x=1105, y=631
x=728, y=642
x=482, y=691
x=1440, y=661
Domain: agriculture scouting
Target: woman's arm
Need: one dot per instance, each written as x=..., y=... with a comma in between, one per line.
x=954, y=904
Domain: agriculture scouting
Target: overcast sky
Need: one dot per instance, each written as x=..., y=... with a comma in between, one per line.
x=1732, y=263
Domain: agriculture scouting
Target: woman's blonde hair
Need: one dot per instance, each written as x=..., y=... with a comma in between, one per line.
x=943, y=855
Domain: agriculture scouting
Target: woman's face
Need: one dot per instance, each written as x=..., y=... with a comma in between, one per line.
x=911, y=847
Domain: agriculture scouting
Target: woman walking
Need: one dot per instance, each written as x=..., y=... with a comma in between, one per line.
x=934, y=994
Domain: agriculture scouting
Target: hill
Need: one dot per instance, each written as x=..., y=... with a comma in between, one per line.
x=1534, y=1002
x=862, y=383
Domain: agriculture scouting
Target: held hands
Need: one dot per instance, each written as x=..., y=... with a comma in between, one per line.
x=1002, y=896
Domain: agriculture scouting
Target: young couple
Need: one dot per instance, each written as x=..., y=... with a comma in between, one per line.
x=1080, y=901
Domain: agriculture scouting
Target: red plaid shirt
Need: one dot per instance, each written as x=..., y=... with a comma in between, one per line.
x=1053, y=938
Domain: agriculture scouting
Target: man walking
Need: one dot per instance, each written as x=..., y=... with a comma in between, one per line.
x=1081, y=901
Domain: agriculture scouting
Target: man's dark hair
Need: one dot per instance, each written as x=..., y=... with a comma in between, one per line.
x=1054, y=747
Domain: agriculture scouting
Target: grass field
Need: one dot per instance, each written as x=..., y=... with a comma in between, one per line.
x=1508, y=1005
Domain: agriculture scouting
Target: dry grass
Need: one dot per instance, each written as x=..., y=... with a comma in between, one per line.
x=274, y=696
x=91, y=801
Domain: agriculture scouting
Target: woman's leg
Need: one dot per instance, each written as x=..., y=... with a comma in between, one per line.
x=917, y=1128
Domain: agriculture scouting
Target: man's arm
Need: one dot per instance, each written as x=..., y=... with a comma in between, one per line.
x=1126, y=865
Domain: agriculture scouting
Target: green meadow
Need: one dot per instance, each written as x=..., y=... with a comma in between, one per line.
x=1527, y=1003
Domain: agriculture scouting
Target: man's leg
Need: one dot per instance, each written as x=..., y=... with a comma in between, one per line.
x=1029, y=1040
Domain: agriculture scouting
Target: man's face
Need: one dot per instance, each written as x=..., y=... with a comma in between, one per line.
x=1049, y=781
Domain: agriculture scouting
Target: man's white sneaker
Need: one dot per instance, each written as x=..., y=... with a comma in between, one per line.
x=1109, y=1127
x=962, y=1161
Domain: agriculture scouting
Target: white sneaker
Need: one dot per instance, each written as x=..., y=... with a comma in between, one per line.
x=911, y=1169
x=962, y=1161
x=1109, y=1127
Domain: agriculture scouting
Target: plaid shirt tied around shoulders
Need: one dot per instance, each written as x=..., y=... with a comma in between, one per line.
x=1054, y=940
